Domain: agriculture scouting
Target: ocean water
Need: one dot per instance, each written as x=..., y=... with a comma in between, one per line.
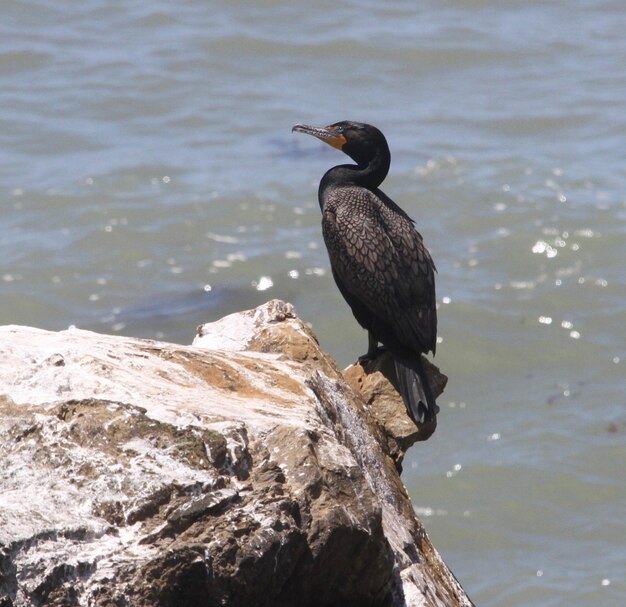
x=149, y=182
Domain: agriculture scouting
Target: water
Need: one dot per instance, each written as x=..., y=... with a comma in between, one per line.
x=149, y=182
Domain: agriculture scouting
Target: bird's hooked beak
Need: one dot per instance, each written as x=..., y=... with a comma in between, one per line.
x=328, y=134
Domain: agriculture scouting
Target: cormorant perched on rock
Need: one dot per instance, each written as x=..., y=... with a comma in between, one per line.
x=378, y=258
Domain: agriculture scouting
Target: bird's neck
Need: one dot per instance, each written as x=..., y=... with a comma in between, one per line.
x=368, y=174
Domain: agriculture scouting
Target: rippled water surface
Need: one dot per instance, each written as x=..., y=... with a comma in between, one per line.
x=149, y=182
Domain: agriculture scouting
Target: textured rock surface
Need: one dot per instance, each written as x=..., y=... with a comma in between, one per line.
x=240, y=471
x=375, y=381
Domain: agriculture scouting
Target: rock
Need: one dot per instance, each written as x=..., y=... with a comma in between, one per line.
x=242, y=470
x=376, y=381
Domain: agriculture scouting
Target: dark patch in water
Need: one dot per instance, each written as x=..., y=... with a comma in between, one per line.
x=287, y=148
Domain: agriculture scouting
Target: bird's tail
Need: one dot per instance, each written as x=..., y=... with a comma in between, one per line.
x=415, y=388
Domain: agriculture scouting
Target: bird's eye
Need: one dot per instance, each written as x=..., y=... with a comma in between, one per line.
x=340, y=130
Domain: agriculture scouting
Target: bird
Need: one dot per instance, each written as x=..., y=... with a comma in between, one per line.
x=379, y=260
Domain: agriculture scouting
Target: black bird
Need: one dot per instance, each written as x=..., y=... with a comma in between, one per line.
x=378, y=259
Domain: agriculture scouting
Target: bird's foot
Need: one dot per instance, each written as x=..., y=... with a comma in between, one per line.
x=372, y=354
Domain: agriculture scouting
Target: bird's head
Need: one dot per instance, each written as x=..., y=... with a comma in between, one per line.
x=360, y=141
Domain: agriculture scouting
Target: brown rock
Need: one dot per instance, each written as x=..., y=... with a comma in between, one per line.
x=240, y=471
x=376, y=381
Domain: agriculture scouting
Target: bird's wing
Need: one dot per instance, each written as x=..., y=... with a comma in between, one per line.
x=380, y=262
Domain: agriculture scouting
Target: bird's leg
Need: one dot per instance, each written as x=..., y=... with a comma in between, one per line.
x=373, y=349
x=372, y=345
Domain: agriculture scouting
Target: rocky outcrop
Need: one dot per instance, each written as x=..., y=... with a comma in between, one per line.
x=243, y=470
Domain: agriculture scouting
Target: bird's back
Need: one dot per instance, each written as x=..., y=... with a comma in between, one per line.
x=381, y=266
